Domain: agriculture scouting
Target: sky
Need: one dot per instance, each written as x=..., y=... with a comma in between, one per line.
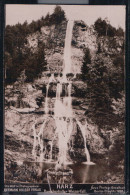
x=87, y=13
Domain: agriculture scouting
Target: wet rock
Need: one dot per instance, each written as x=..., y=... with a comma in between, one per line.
x=49, y=129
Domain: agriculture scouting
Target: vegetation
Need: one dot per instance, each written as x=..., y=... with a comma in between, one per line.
x=105, y=82
x=32, y=63
x=103, y=28
x=58, y=16
x=86, y=64
x=105, y=92
x=102, y=74
x=18, y=57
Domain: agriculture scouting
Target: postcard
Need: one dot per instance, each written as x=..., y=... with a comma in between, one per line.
x=64, y=98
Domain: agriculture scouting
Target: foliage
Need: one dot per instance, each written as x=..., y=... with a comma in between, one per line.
x=22, y=77
x=58, y=16
x=120, y=32
x=55, y=18
x=104, y=28
x=32, y=63
x=86, y=63
x=17, y=56
x=104, y=82
x=116, y=81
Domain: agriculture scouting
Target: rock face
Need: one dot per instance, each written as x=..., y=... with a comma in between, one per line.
x=23, y=96
x=83, y=36
x=20, y=136
x=29, y=99
x=53, y=38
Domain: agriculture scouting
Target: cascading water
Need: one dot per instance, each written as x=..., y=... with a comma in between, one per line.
x=63, y=112
x=82, y=128
x=67, y=48
x=46, y=100
x=38, y=141
x=63, y=107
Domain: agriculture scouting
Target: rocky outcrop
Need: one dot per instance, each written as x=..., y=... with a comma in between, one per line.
x=53, y=38
x=20, y=136
x=84, y=36
x=21, y=100
x=25, y=96
x=110, y=45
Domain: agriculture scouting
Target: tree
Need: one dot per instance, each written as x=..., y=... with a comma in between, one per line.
x=120, y=32
x=34, y=63
x=17, y=56
x=103, y=28
x=9, y=39
x=58, y=16
x=100, y=26
x=7, y=62
x=98, y=91
x=86, y=64
x=105, y=82
x=46, y=21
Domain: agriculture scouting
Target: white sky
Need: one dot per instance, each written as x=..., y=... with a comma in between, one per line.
x=87, y=13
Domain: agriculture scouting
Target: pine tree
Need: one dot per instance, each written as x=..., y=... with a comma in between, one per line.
x=58, y=16
x=86, y=63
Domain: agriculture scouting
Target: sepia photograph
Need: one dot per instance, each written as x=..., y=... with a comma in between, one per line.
x=64, y=101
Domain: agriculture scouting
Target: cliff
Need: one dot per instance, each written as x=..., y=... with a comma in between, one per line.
x=25, y=102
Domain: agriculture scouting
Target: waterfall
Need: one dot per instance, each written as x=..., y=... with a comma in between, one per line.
x=46, y=99
x=63, y=107
x=38, y=137
x=83, y=129
x=34, y=143
x=63, y=112
x=67, y=48
x=70, y=98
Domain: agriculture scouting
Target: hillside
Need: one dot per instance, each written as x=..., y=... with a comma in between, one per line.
x=97, y=87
